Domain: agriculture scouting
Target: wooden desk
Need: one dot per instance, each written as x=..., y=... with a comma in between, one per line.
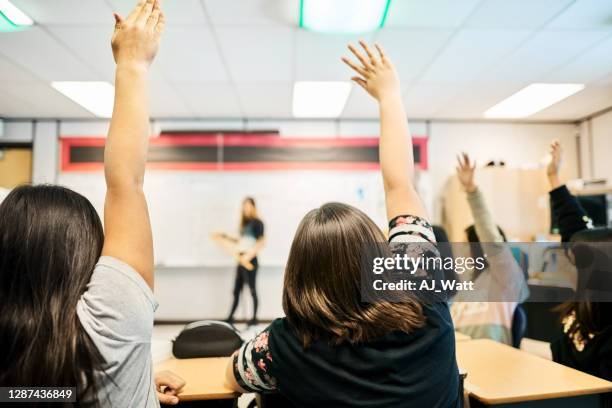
x=205, y=377
x=504, y=376
x=461, y=337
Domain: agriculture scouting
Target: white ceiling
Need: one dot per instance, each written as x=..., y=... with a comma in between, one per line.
x=239, y=58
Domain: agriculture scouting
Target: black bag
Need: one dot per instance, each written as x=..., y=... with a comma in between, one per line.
x=206, y=338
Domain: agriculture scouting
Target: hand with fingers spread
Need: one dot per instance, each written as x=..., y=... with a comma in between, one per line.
x=168, y=386
x=376, y=73
x=554, y=166
x=136, y=38
x=465, y=172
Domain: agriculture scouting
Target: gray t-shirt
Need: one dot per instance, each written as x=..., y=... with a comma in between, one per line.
x=116, y=311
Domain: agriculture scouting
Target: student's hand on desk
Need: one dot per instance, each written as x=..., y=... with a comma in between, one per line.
x=168, y=386
x=554, y=166
x=136, y=38
x=377, y=75
x=465, y=172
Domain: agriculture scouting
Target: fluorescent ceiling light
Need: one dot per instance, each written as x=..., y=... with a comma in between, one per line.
x=13, y=15
x=343, y=16
x=532, y=99
x=96, y=97
x=319, y=99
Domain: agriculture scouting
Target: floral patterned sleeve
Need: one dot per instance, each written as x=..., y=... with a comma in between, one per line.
x=251, y=364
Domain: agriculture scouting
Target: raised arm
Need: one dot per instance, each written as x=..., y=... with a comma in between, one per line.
x=565, y=208
x=126, y=217
x=483, y=220
x=377, y=75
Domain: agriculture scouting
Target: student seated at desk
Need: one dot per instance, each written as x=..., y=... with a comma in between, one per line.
x=585, y=331
x=502, y=281
x=76, y=301
x=332, y=349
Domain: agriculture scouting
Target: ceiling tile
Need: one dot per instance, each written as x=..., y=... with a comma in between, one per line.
x=253, y=12
x=45, y=101
x=472, y=51
x=177, y=12
x=474, y=100
x=519, y=14
x=165, y=101
x=424, y=100
x=430, y=13
x=314, y=48
x=543, y=53
x=591, y=66
x=265, y=54
x=210, y=100
x=42, y=55
x=11, y=72
x=189, y=53
x=91, y=44
x=67, y=11
x=412, y=50
x=592, y=99
x=13, y=107
x=586, y=14
x=266, y=100
x=360, y=105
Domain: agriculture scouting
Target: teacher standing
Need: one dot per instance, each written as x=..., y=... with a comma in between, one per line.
x=245, y=248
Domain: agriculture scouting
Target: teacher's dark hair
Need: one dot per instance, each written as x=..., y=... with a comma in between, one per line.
x=322, y=291
x=50, y=241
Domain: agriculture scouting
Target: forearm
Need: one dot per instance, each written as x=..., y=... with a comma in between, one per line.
x=483, y=219
x=127, y=143
x=396, y=159
x=554, y=181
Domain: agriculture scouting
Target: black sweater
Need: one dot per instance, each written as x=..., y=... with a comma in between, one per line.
x=567, y=213
x=596, y=357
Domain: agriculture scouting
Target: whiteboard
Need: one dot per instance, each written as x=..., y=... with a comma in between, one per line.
x=186, y=207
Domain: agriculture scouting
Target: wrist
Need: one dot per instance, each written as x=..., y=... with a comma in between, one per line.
x=133, y=67
x=471, y=188
x=390, y=95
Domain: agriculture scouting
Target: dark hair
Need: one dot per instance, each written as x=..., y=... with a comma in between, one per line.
x=590, y=317
x=321, y=294
x=50, y=241
x=476, y=249
x=244, y=220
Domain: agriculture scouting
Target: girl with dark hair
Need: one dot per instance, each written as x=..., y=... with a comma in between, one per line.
x=245, y=249
x=333, y=348
x=76, y=304
x=502, y=281
x=585, y=333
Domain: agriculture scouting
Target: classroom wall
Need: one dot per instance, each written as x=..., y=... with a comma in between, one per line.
x=191, y=293
x=601, y=138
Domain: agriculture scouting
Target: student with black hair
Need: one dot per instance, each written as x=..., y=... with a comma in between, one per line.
x=584, y=341
x=333, y=349
x=501, y=285
x=76, y=301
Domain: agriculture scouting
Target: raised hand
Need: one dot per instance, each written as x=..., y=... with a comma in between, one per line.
x=136, y=38
x=376, y=73
x=465, y=172
x=554, y=166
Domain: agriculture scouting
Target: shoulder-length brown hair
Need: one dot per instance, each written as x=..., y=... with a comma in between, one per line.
x=244, y=220
x=321, y=295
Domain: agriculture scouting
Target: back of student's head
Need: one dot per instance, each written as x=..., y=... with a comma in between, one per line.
x=591, y=252
x=476, y=248
x=50, y=241
x=322, y=298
